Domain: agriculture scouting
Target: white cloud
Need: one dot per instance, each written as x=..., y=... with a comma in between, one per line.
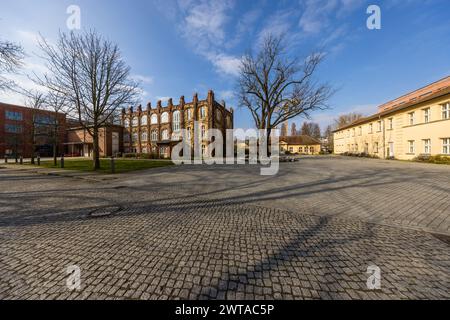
x=142, y=78
x=226, y=64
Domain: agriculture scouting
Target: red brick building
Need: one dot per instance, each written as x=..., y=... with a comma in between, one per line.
x=24, y=129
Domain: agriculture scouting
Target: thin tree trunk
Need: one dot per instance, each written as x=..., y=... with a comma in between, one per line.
x=55, y=147
x=95, y=151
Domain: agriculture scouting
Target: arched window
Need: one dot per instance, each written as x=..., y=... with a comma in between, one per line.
x=154, y=119
x=203, y=131
x=144, y=136
x=135, y=122
x=165, y=134
x=126, y=123
x=144, y=121
x=202, y=113
x=154, y=135
x=165, y=117
x=176, y=121
x=135, y=137
x=189, y=114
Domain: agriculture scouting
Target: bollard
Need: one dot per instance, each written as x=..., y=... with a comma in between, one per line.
x=62, y=161
x=38, y=160
x=6, y=159
x=113, y=165
x=21, y=160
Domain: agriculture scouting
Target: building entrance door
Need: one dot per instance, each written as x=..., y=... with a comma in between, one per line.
x=391, y=150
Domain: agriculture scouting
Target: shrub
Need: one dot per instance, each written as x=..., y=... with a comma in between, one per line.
x=129, y=155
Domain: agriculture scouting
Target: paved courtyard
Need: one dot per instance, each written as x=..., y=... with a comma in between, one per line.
x=225, y=232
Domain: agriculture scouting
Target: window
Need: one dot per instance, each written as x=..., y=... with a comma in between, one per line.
x=354, y=132
x=391, y=123
x=360, y=131
x=412, y=116
x=165, y=135
x=427, y=146
x=202, y=113
x=375, y=147
x=135, y=122
x=126, y=123
x=144, y=136
x=300, y=149
x=11, y=115
x=446, y=146
x=13, y=128
x=446, y=111
x=189, y=114
x=203, y=149
x=176, y=121
x=411, y=146
x=154, y=135
x=144, y=121
x=135, y=137
x=426, y=115
x=144, y=150
x=188, y=132
x=203, y=131
x=371, y=128
x=291, y=149
x=356, y=147
x=379, y=126
x=165, y=117
x=154, y=119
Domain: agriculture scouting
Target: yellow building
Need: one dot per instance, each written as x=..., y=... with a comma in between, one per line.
x=299, y=144
x=414, y=124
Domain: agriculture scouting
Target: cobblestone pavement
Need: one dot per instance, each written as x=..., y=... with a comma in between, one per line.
x=166, y=243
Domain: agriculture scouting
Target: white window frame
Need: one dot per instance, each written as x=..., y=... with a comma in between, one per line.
x=165, y=134
x=427, y=146
x=165, y=117
x=446, y=111
x=412, y=118
x=176, y=124
x=154, y=119
x=144, y=121
x=446, y=146
x=426, y=115
x=411, y=147
x=154, y=135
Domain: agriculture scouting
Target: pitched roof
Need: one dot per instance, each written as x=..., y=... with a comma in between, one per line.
x=299, y=140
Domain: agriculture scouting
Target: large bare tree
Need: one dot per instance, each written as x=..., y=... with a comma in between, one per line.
x=276, y=87
x=57, y=103
x=90, y=71
x=11, y=59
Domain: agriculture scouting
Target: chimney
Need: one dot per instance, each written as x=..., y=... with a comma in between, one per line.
x=195, y=98
x=149, y=106
x=158, y=105
x=170, y=102
x=139, y=108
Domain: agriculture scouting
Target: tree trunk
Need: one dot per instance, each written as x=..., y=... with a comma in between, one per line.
x=95, y=151
x=55, y=148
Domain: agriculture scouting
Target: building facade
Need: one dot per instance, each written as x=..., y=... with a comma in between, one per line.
x=156, y=130
x=26, y=130
x=412, y=125
x=80, y=142
x=299, y=144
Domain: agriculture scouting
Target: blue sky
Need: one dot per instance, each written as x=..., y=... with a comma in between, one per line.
x=178, y=47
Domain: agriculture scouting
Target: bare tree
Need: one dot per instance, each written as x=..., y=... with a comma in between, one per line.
x=293, y=129
x=346, y=119
x=11, y=57
x=90, y=71
x=330, y=138
x=35, y=100
x=284, y=129
x=57, y=103
x=276, y=88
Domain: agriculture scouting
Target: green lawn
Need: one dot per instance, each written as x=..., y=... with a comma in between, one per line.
x=122, y=165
